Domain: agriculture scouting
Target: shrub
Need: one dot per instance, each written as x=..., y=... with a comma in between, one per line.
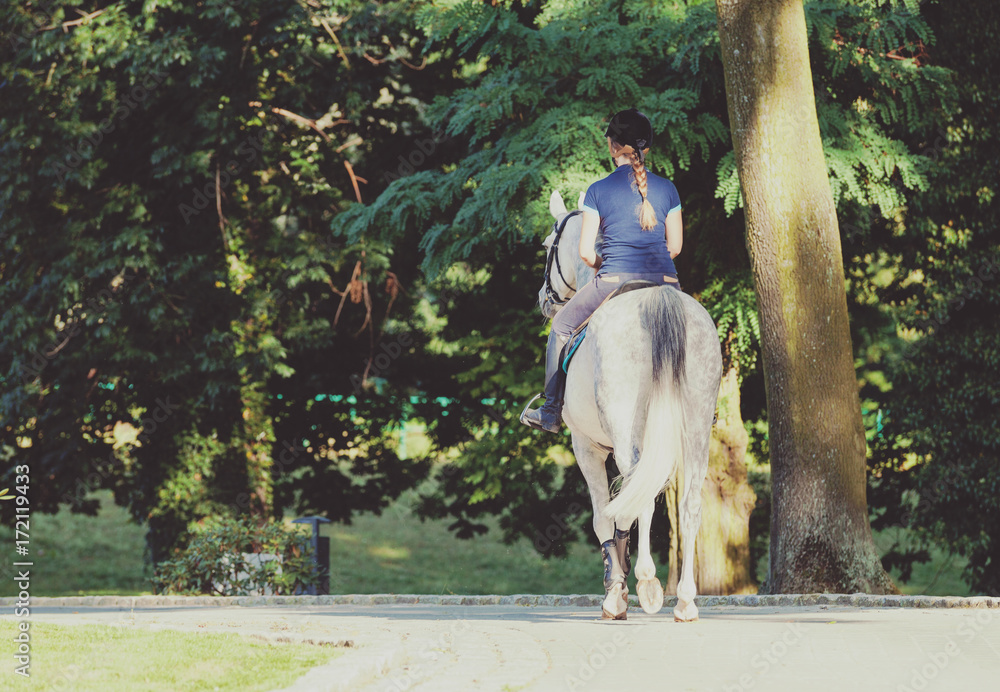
x=216, y=562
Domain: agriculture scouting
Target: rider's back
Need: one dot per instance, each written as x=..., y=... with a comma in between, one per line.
x=625, y=246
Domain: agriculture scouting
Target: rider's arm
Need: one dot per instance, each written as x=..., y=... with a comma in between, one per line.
x=675, y=232
x=588, y=236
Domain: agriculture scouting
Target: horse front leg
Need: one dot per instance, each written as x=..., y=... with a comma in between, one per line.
x=648, y=588
x=591, y=458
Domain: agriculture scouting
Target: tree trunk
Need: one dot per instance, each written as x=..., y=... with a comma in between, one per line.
x=257, y=438
x=722, y=550
x=821, y=540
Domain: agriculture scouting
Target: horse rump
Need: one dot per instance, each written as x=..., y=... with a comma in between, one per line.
x=661, y=316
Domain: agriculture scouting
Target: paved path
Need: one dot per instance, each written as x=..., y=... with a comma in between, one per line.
x=396, y=647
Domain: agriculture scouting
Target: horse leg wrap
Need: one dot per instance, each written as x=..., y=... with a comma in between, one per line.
x=606, y=547
x=612, y=576
x=614, y=579
x=621, y=547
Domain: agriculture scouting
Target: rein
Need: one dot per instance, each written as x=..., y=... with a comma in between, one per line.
x=553, y=259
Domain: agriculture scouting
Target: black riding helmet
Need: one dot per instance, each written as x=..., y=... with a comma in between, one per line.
x=631, y=128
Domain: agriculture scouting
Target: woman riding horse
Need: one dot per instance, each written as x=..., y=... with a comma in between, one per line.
x=639, y=214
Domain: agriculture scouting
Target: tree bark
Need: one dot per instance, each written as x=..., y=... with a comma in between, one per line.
x=821, y=539
x=722, y=550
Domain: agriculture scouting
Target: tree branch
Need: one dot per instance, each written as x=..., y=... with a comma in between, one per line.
x=300, y=119
x=75, y=22
x=354, y=180
x=218, y=207
x=348, y=143
x=422, y=65
x=340, y=48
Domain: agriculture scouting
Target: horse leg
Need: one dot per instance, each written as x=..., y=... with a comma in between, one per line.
x=615, y=605
x=695, y=469
x=648, y=588
x=686, y=610
x=590, y=458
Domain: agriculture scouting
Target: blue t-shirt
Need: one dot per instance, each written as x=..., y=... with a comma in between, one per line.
x=627, y=248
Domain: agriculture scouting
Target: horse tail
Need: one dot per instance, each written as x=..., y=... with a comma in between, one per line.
x=661, y=314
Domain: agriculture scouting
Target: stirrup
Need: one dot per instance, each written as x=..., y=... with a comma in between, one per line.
x=524, y=413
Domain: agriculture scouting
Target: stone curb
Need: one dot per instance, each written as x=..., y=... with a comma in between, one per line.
x=858, y=600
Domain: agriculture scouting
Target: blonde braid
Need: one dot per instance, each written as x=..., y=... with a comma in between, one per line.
x=647, y=217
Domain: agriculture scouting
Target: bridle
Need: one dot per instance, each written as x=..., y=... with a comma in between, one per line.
x=552, y=259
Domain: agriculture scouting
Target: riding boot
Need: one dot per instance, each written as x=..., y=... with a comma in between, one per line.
x=549, y=416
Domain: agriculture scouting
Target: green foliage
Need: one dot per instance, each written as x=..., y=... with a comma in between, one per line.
x=206, y=352
x=733, y=306
x=532, y=117
x=871, y=91
x=195, y=317
x=220, y=559
x=932, y=271
x=528, y=117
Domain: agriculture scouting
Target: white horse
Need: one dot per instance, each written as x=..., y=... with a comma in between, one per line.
x=642, y=385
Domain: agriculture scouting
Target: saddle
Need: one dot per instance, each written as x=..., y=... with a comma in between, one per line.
x=580, y=332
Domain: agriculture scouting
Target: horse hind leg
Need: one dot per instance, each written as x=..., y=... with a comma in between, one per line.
x=686, y=610
x=695, y=469
x=648, y=588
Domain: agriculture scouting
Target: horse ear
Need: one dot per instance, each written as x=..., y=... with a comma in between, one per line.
x=579, y=201
x=556, y=205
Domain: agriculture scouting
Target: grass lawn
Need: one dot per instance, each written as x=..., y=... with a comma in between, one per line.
x=941, y=576
x=397, y=553
x=391, y=553
x=109, y=659
x=77, y=555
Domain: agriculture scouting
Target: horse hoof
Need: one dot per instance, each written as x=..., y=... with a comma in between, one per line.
x=615, y=605
x=650, y=594
x=688, y=613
